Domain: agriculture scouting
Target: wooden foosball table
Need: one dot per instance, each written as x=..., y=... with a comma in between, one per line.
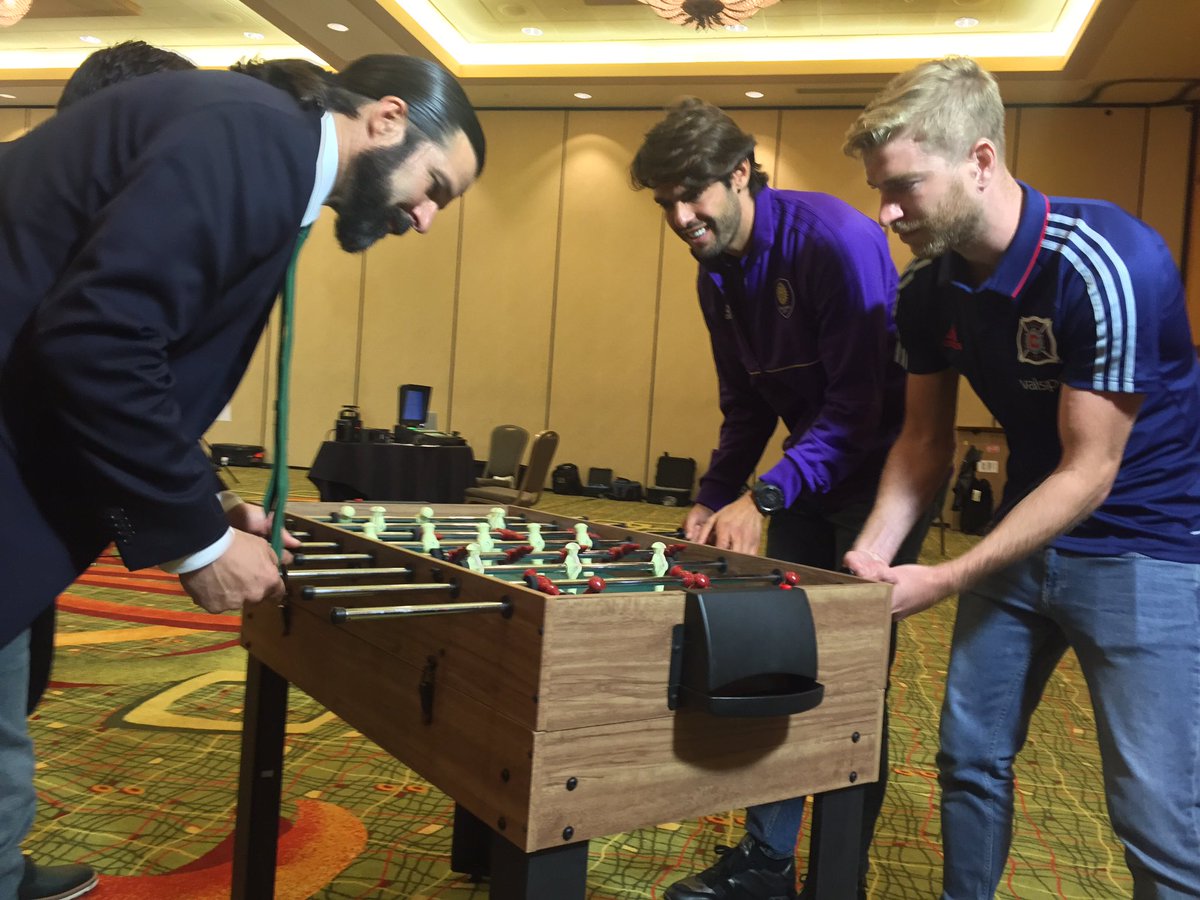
x=556, y=705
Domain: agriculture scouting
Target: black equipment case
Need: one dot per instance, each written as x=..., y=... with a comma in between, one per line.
x=238, y=455
x=624, y=489
x=673, y=480
x=599, y=483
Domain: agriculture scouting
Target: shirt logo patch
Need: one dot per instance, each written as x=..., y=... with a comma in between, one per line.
x=1035, y=341
x=951, y=341
x=785, y=298
x=728, y=313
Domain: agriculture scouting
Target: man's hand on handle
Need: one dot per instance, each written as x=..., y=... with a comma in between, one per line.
x=246, y=573
x=252, y=519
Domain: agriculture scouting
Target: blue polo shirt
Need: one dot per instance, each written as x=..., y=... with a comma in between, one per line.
x=1089, y=296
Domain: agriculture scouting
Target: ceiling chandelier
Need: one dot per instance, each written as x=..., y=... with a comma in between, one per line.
x=12, y=11
x=705, y=13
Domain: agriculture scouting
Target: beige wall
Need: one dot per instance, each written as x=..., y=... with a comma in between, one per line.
x=552, y=295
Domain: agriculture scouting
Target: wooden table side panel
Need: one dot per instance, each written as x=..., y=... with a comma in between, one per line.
x=630, y=775
x=465, y=749
x=607, y=658
x=498, y=660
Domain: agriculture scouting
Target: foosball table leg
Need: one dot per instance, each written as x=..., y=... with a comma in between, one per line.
x=477, y=850
x=259, y=782
x=835, y=845
x=469, y=845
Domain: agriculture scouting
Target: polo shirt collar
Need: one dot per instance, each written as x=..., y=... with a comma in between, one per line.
x=1018, y=261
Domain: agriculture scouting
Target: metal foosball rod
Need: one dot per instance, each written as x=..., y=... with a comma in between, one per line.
x=301, y=558
x=314, y=592
x=718, y=565
x=321, y=574
x=625, y=550
x=341, y=614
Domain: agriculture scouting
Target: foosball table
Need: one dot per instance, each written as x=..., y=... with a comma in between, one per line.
x=563, y=680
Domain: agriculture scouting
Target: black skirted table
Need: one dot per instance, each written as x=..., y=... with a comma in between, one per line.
x=373, y=471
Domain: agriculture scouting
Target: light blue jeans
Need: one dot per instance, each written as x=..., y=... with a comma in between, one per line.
x=17, y=799
x=1134, y=624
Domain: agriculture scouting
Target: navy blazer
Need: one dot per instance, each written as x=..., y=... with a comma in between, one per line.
x=144, y=235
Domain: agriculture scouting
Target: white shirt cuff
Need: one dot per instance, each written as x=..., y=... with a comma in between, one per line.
x=200, y=558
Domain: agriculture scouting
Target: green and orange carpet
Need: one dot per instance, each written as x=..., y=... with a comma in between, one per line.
x=138, y=747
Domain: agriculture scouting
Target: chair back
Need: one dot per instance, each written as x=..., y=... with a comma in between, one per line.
x=541, y=454
x=505, y=452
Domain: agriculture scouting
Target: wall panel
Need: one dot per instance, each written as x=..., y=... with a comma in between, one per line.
x=506, y=295
x=1164, y=199
x=13, y=123
x=408, y=319
x=605, y=305
x=1083, y=153
x=328, y=284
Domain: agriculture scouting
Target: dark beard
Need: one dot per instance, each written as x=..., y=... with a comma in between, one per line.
x=723, y=229
x=364, y=215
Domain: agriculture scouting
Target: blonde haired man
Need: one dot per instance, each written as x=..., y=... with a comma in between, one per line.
x=1068, y=318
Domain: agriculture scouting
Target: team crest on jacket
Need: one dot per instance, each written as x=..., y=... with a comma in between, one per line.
x=785, y=298
x=1035, y=341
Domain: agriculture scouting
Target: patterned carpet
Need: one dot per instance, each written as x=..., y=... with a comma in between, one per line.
x=138, y=753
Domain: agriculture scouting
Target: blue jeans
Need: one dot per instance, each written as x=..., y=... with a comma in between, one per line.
x=815, y=538
x=1134, y=624
x=17, y=800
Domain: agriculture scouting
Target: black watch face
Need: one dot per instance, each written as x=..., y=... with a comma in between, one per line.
x=768, y=498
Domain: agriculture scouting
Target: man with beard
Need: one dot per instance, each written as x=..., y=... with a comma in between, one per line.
x=797, y=292
x=144, y=234
x=1068, y=318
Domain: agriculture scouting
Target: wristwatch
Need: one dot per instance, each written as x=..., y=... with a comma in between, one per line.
x=767, y=497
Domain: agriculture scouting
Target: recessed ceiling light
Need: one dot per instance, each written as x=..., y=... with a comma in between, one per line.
x=8, y=96
x=89, y=39
x=966, y=22
x=531, y=31
x=583, y=95
x=337, y=26
x=737, y=26
x=253, y=35
x=754, y=95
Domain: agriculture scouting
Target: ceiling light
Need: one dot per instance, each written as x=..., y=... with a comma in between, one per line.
x=754, y=95
x=737, y=26
x=253, y=35
x=531, y=31
x=703, y=14
x=89, y=39
x=966, y=22
x=337, y=26
x=12, y=11
x=8, y=96
x=583, y=95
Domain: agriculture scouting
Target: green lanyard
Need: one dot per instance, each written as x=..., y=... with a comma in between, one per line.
x=275, y=498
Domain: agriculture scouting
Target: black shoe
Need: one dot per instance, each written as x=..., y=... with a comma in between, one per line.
x=743, y=872
x=55, y=882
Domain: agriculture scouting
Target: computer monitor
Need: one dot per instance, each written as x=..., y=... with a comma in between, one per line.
x=414, y=404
